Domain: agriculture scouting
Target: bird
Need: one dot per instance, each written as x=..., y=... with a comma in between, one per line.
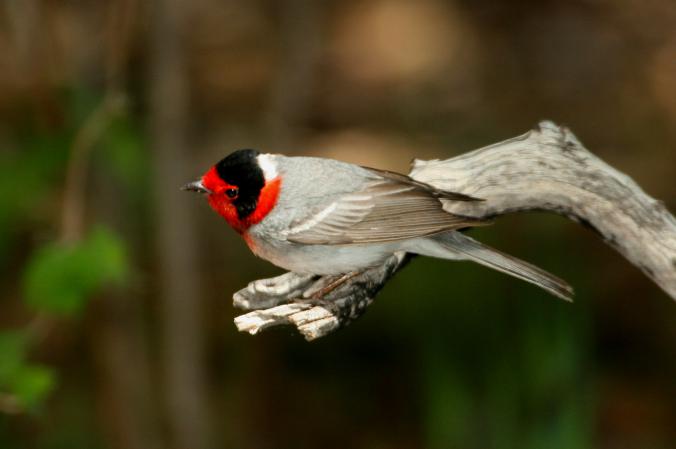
x=320, y=216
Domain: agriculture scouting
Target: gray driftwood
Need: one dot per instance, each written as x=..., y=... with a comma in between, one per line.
x=545, y=169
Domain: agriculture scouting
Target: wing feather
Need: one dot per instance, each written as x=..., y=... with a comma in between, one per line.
x=389, y=208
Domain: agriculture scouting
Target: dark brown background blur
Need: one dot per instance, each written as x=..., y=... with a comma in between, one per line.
x=116, y=287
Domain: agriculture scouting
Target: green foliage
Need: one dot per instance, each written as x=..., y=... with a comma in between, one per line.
x=60, y=278
x=34, y=163
x=123, y=148
x=12, y=349
x=25, y=178
x=30, y=385
x=27, y=384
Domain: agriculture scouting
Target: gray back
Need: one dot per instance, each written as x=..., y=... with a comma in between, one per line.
x=310, y=184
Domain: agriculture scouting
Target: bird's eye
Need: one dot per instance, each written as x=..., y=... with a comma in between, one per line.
x=232, y=193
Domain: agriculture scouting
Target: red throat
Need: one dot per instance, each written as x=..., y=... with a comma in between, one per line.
x=224, y=207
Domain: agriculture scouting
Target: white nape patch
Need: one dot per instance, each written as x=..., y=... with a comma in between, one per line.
x=268, y=165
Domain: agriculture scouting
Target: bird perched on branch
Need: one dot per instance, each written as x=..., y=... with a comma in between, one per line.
x=326, y=217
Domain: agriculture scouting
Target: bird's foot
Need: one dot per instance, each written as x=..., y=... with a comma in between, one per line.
x=315, y=305
x=318, y=292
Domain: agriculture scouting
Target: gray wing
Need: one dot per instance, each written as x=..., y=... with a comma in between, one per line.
x=404, y=179
x=388, y=208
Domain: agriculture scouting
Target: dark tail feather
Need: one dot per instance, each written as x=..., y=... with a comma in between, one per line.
x=492, y=258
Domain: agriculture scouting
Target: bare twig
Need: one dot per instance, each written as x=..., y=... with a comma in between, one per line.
x=545, y=169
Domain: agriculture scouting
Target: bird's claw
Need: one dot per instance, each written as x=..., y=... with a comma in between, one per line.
x=316, y=305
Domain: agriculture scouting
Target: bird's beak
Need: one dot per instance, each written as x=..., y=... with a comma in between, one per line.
x=196, y=186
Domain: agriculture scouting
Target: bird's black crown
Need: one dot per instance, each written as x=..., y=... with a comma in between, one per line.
x=241, y=169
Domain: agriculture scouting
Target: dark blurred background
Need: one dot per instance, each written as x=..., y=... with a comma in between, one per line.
x=115, y=302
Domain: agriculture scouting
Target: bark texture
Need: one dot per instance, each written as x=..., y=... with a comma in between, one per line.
x=545, y=169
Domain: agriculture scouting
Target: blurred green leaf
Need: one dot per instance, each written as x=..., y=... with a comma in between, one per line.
x=108, y=254
x=12, y=352
x=26, y=174
x=28, y=384
x=35, y=161
x=123, y=151
x=60, y=278
x=31, y=384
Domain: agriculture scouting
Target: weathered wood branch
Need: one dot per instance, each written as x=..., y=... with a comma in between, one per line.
x=545, y=169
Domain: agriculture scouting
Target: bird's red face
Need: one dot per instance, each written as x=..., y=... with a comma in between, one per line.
x=237, y=190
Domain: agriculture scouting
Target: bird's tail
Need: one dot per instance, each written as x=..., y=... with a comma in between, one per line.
x=460, y=246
